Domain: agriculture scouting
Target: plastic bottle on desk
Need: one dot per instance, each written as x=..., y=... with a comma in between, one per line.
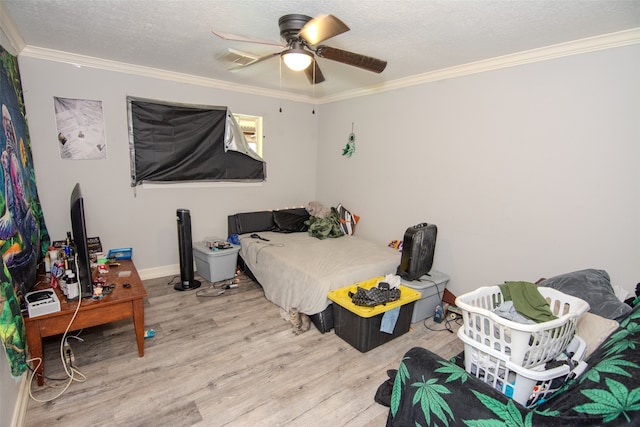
x=72, y=286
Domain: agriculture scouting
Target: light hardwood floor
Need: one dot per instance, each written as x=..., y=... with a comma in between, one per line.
x=229, y=360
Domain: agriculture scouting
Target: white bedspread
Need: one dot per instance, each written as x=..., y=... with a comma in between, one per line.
x=297, y=270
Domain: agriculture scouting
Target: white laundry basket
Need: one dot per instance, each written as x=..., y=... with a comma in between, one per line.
x=529, y=387
x=526, y=345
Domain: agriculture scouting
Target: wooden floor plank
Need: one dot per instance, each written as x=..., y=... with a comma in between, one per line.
x=223, y=360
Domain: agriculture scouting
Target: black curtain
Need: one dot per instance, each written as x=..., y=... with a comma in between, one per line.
x=176, y=143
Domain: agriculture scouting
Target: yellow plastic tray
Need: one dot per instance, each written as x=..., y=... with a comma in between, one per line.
x=341, y=297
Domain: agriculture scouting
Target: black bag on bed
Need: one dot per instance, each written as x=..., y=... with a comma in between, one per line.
x=418, y=247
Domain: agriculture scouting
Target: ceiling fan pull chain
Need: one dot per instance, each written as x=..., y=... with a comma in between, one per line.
x=280, y=81
x=350, y=148
x=313, y=85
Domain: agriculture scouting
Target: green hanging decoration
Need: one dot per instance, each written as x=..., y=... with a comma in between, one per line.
x=350, y=148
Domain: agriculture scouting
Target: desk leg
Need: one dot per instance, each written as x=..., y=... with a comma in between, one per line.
x=138, y=324
x=34, y=340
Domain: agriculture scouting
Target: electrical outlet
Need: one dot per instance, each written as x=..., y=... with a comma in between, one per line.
x=68, y=354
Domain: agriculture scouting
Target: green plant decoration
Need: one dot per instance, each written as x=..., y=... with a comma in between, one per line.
x=350, y=148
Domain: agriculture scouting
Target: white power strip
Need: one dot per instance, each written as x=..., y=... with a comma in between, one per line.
x=42, y=302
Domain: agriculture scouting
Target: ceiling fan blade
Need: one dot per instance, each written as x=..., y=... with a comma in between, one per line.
x=322, y=28
x=262, y=58
x=239, y=38
x=355, y=59
x=314, y=73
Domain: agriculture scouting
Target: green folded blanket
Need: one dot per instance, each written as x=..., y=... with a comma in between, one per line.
x=527, y=300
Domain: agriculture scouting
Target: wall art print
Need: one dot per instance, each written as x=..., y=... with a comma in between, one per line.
x=81, y=133
x=24, y=238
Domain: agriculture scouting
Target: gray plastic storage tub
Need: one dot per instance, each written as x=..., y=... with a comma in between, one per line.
x=431, y=286
x=215, y=265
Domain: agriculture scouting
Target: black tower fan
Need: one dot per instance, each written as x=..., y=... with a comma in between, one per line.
x=187, y=281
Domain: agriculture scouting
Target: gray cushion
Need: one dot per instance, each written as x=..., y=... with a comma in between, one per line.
x=593, y=286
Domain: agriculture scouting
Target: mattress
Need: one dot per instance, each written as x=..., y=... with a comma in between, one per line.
x=297, y=270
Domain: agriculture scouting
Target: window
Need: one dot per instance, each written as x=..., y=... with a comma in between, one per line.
x=251, y=127
x=173, y=143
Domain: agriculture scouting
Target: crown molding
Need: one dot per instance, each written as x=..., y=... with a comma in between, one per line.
x=11, y=32
x=591, y=44
x=122, y=67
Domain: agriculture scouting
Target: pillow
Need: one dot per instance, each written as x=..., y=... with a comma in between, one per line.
x=594, y=287
x=594, y=329
x=348, y=221
x=250, y=222
x=288, y=221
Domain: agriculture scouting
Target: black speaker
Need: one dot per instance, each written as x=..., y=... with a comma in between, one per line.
x=185, y=249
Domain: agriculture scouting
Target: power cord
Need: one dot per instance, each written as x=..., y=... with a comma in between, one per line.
x=450, y=318
x=218, y=289
x=171, y=282
x=31, y=370
x=73, y=373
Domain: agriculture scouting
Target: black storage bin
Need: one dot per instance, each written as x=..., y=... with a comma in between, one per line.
x=360, y=326
x=363, y=333
x=323, y=321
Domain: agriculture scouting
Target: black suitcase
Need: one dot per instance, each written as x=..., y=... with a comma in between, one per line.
x=418, y=247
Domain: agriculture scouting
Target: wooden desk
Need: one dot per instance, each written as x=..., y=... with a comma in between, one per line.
x=121, y=303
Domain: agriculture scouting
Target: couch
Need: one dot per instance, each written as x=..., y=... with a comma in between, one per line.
x=429, y=390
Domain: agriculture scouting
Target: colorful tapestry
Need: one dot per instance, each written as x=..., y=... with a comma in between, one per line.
x=23, y=235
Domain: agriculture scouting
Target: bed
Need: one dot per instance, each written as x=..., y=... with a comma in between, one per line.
x=297, y=270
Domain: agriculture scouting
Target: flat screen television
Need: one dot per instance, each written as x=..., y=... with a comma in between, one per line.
x=79, y=230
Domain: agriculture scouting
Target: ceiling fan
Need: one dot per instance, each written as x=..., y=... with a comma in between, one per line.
x=302, y=35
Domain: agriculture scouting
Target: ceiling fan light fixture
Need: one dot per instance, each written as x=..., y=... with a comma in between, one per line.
x=302, y=35
x=297, y=59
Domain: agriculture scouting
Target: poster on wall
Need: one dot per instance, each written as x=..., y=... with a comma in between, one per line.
x=81, y=133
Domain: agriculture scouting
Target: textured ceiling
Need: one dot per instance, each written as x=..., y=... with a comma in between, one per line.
x=414, y=36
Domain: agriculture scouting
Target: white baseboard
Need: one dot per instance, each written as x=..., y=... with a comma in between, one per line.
x=20, y=411
x=162, y=271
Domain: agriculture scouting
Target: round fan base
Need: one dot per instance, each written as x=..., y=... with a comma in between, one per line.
x=290, y=25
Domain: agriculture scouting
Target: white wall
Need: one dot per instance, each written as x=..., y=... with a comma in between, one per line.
x=9, y=393
x=528, y=171
x=145, y=219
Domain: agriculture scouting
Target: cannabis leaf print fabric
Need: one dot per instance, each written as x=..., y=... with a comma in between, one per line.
x=430, y=391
